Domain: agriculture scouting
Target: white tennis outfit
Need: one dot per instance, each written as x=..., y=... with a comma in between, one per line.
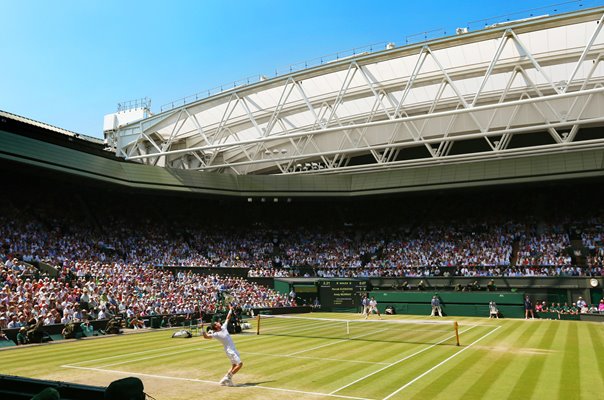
x=224, y=337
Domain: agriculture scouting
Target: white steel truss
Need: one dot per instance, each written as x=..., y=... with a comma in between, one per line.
x=368, y=112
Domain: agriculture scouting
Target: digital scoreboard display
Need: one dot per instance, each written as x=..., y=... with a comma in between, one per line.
x=341, y=293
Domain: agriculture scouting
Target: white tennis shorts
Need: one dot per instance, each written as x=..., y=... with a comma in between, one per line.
x=233, y=356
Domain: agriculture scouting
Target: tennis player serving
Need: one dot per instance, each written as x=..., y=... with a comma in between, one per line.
x=221, y=334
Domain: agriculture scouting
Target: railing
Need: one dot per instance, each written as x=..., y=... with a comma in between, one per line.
x=145, y=102
x=553, y=9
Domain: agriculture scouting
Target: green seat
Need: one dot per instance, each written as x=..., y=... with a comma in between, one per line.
x=7, y=343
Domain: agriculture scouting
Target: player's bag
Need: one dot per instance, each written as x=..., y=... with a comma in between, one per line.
x=183, y=333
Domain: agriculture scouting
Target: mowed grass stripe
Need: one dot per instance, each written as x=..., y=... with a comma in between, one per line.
x=439, y=365
x=441, y=379
x=531, y=376
x=591, y=355
x=378, y=350
x=498, y=360
x=324, y=376
x=58, y=354
x=570, y=374
x=411, y=354
x=390, y=379
x=361, y=339
x=500, y=386
x=97, y=350
x=596, y=352
x=454, y=377
x=334, y=348
x=313, y=334
x=317, y=376
x=352, y=349
x=297, y=344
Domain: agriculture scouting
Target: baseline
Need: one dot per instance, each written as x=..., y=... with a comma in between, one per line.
x=217, y=383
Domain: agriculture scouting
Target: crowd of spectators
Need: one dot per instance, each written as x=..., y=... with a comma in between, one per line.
x=96, y=290
x=483, y=248
x=114, y=265
x=575, y=308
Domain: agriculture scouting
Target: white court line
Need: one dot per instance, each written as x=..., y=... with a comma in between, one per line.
x=439, y=364
x=331, y=344
x=215, y=383
x=302, y=357
x=399, y=361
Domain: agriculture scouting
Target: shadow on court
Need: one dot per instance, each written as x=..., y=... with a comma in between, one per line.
x=251, y=384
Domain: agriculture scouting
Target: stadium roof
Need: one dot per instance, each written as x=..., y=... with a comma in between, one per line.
x=48, y=127
x=457, y=99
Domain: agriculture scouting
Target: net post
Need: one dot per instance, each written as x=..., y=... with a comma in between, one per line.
x=348, y=327
x=456, y=326
x=258, y=324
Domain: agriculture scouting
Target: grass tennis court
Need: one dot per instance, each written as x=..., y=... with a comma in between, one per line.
x=497, y=359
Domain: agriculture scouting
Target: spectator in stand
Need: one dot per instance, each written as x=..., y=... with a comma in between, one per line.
x=137, y=322
x=87, y=329
x=22, y=336
x=573, y=310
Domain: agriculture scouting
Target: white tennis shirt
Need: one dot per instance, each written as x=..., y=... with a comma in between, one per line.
x=224, y=337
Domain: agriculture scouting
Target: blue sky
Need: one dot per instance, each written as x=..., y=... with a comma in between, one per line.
x=68, y=63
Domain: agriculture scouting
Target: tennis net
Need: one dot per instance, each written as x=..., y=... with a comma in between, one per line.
x=385, y=330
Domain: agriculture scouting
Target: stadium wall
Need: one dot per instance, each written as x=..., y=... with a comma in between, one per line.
x=470, y=304
x=537, y=168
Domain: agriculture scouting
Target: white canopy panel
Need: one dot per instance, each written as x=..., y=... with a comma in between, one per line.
x=542, y=75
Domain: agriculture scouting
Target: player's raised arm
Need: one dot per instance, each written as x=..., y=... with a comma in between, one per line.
x=203, y=331
x=228, y=317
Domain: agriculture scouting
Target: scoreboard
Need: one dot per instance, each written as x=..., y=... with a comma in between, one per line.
x=341, y=293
